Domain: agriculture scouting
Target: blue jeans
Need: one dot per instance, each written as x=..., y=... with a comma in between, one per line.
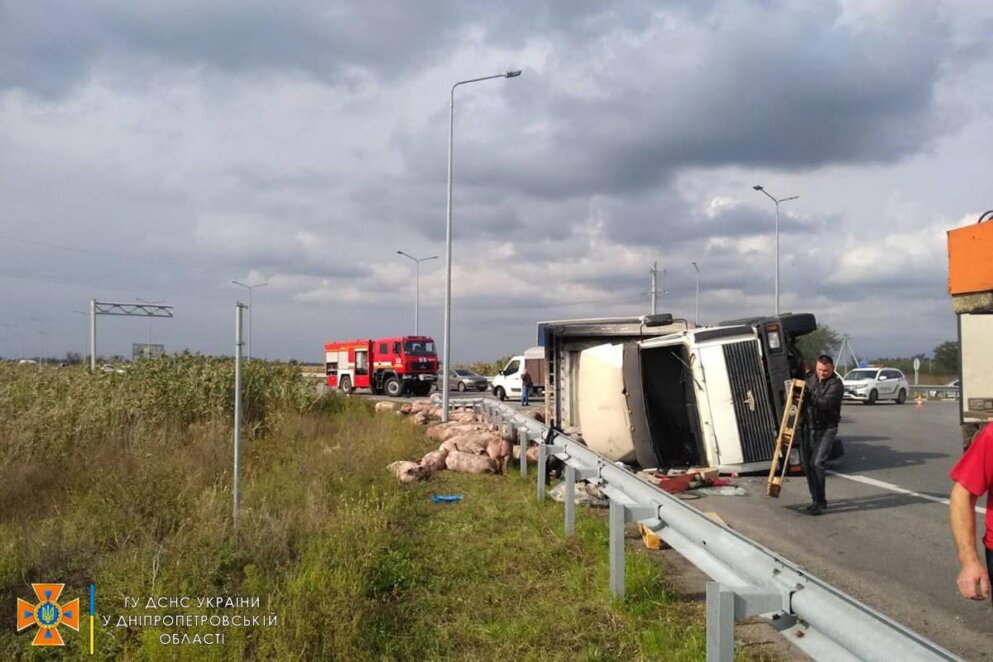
x=815, y=454
x=525, y=394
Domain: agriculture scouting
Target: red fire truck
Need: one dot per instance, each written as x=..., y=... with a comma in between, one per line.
x=384, y=365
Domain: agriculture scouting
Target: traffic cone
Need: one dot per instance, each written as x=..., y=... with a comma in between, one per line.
x=920, y=401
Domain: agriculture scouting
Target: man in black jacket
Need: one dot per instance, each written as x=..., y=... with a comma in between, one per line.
x=823, y=406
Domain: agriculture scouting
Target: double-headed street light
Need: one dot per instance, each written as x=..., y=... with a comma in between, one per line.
x=777, y=201
x=417, y=285
x=448, y=238
x=250, y=309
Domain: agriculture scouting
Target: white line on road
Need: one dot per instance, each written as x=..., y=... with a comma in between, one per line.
x=896, y=488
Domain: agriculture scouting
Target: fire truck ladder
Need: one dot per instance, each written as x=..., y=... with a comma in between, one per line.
x=784, y=442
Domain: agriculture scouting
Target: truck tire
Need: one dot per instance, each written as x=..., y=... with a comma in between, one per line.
x=500, y=393
x=346, y=385
x=901, y=397
x=393, y=387
x=798, y=324
x=873, y=396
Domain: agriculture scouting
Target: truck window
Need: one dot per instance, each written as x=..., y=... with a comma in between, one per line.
x=396, y=347
x=361, y=362
x=512, y=367
x=383, y=348
x=332, y=368
x=418, y=348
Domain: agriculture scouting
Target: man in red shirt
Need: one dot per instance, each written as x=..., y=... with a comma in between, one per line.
x=973, y=476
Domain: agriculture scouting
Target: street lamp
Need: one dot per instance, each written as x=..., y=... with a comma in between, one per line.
x=250, y=309
x=41, y=338
x=448, y=237
x=696, y=319
x=6, y=339
x=777, y=201
x=417, y=285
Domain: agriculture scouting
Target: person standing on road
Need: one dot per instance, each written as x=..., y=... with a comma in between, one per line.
x=526, y=383
x=973, y=476
x=823, y=406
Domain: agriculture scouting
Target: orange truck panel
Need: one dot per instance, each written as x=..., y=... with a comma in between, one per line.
x=970, y=259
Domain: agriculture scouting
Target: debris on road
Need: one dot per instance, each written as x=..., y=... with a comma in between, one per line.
x=446, y=498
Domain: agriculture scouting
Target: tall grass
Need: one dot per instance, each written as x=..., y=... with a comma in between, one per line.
x=123, y=480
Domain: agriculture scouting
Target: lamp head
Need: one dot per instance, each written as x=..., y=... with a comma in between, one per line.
x=758, y=188
x=512, y=74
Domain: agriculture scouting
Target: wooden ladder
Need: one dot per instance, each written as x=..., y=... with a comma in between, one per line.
x=784, y=442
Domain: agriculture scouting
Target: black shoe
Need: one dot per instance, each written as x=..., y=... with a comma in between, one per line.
x=816, y=509
x=810, y=506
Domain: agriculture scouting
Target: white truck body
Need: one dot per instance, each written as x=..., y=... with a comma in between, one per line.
x=673, y=395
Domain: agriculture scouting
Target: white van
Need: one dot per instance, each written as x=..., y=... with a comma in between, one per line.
x=507, y=383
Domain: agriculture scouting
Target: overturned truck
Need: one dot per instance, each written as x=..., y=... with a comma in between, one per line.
x=663, y=393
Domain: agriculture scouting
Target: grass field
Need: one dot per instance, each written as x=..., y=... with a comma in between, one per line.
x=123, y=481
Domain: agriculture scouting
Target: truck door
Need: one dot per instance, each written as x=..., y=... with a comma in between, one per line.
x=513, y=376
x=362, y=367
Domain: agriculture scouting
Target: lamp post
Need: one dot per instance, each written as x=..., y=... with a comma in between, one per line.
x=6, y=339
x=696, y=318
x=250, y=309
x=41, y=338
x=417, y=285
x=448, y=238
x=777, y=201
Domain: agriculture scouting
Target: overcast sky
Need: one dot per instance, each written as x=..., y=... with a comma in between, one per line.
x=160, y=149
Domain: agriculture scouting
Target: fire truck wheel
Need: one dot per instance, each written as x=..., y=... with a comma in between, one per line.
x=393, y=387
x=346, y=385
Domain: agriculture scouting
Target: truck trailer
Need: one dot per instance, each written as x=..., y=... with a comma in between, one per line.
x=663, y=393
x=970, y=284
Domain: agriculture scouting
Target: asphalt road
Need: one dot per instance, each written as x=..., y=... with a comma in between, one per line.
x=885, y=537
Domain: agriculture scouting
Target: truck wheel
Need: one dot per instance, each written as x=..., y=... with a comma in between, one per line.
x=346, y=385
x=901, y=397
x=873, y=396
x=393, y=387
x=500, y=393
x=461, y=387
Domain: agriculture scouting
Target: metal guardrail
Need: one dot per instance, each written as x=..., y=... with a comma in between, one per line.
x=929, y=389
x=748, y=579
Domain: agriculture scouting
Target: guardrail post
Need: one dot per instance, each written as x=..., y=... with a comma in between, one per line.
x=570, y=500
x=542, y=459
x=616, y=518
x=720, y=623
x=522, y=440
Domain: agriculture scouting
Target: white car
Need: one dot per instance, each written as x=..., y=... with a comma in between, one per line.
x=870, y=385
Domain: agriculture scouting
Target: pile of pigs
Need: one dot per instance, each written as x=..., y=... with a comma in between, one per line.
x=468, y=444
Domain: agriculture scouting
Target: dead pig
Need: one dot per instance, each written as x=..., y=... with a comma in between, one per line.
x=470, y=464
x=406, y=472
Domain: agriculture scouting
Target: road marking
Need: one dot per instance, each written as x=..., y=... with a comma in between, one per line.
x=896, y=488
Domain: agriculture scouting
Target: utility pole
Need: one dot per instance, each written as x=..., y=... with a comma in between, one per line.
x=654, y=271
x=41, y=338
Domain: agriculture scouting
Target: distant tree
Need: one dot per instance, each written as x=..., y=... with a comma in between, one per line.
x=73, y=358
x=489, y=368
x=946, y=356
x=824, y=340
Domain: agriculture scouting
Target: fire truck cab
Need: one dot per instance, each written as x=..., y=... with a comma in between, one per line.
x=391, y=366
